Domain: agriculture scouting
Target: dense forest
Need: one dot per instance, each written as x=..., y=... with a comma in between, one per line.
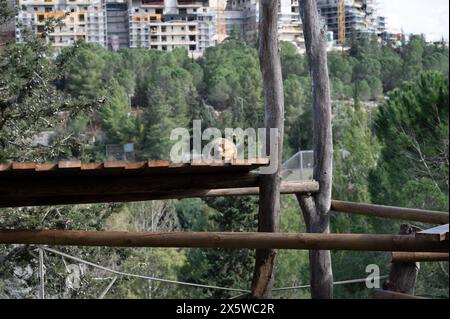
x=390, y=123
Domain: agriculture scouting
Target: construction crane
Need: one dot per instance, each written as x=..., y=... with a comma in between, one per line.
x=341, y=22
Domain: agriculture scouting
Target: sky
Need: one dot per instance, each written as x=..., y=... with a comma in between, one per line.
x=429, y=17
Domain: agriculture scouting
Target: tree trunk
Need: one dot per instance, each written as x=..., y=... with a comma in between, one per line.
x=269, y=198
x=403, y=275
x=316, y=208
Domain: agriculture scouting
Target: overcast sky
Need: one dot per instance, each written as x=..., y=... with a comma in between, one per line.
x=429, y=17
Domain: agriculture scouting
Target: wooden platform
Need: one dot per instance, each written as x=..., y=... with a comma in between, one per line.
x=439, y=233
x=73, y=182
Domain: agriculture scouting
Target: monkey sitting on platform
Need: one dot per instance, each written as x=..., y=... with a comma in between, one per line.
x=223, y=149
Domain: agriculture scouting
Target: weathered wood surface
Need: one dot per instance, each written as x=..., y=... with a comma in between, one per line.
x=269, y=198
x=402, y=257
x=439, y=233
x=56, y=190
x=113, y=168
x=418, y=215
x=386, y=294
x=403, y=275
x=316, y=208
x=73, y=182
x=354, y=242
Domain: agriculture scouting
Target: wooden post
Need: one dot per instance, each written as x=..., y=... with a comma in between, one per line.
x=403, y=275
x=41, y=274
x=269, y=198
x=316, y=208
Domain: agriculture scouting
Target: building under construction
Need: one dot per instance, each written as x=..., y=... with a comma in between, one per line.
x=347, y=18
x=115, y=24
x=193, y=25
x=154, y=24
x=243, y=16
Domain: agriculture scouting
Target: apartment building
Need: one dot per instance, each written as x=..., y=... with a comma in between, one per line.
x=115, y=24
x=79, y=20
x=362, y=17
x=170, y=24
x=290, y=28
x=243, y=16
x=194, y=25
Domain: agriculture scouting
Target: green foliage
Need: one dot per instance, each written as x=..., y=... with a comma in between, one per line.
x=6, y=12
x=413, y=126
x=292, y=62
x=298, y=101
x=117, y=120
x=356, y=154
x=233, y=78
x=30, y=102
x=84, y=74
x=223, y=267
x=413, y=57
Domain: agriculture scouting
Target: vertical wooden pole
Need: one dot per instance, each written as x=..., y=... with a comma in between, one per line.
x=269, y=197
x=41, y=274
x=316, y=208
x=403, y=275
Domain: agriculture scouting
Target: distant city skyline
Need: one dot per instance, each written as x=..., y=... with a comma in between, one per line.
x=429, y=17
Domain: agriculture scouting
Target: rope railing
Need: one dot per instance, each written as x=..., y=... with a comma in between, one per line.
x=183, y=283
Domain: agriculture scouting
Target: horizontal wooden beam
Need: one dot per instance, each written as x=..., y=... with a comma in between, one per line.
x=417, y=215
x=311, y=187
x=386, y=294
x=405, y=257
x=357, y=242
x=307, y=187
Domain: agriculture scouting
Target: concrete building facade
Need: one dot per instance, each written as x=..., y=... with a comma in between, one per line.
x=194, y=25
x=116, y=24
x=243, y=16
x=362, y=17
x=170, y=24
x=80, y=20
